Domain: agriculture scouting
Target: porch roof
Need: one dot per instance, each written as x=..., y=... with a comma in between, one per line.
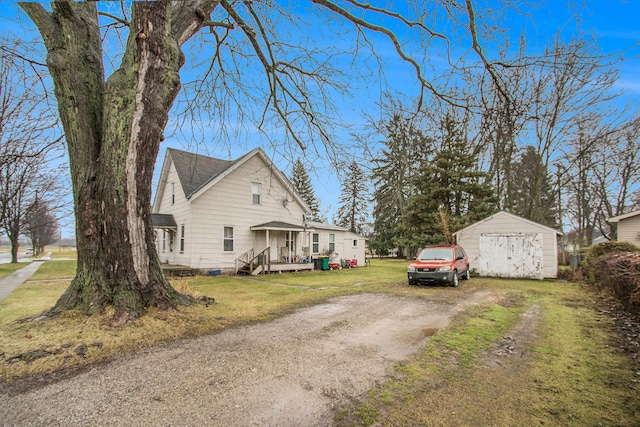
x=277, y=225
x=166, y=221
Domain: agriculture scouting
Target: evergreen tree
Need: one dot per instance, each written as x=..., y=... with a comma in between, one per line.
x=302, y=184
x=532, y=192
x=352, y=210
x=450, y=192
x=395, y=165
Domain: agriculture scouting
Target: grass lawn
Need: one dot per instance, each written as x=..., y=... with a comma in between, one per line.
x=572, y=372
x=8, y=269
x=61, y=253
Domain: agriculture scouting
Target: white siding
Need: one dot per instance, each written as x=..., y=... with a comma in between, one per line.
x=504, y=223
x=344, y=243
x=182, y=214
x=352, y=251
x=629, y=230
x=230, y=203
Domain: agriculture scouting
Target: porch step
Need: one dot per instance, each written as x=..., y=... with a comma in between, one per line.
x=244, y=270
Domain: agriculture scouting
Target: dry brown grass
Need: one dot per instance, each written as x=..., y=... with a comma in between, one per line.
x=74, y=339
x=571, y=374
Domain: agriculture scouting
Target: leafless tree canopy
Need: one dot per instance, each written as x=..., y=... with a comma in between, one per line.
x=28, y=137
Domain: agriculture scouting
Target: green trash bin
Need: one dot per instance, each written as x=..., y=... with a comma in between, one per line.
x=325, y=262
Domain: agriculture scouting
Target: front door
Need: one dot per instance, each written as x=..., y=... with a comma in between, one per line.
x=274, y=239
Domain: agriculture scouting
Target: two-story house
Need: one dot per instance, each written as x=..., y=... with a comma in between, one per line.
x=237, y=214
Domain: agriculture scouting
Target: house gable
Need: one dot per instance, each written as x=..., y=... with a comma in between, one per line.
x=616, y=219
x=628, y=227
x=218, y=216
x=504, y=226
x=504, y=215
x=235, y=165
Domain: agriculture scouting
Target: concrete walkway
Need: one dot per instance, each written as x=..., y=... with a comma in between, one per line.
x=9, y=283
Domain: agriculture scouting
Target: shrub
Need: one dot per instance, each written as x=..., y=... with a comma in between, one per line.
x=618, y=274
x=595, y=251
x=588, y=271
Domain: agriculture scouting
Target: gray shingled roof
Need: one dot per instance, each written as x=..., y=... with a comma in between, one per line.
x=163, y=220
x=195, y=170
x=277, y=225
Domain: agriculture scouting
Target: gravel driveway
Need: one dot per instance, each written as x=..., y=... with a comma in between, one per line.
x=291, y=371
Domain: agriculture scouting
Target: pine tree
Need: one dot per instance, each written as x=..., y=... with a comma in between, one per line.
x=302, y=184
x=450, y=191
x=352, y=210
x=395, y=165
x=533, y=195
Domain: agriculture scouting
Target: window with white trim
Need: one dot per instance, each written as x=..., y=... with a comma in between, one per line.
x=316, y=243
x=332, y=242
x=173, y=192
x=355, y=243
x=227, y=239
x=256, y=190
x=164, y=240
x=181, y=238
x=171, y=233
x=290, y=241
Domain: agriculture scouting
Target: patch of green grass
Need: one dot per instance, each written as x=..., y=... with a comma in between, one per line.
x=55, y=270
x=578, y=375
x=572, y=372
x=238, y=300
x=8, y=269
x=61, y=253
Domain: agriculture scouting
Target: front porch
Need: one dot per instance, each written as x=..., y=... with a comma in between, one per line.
x=279, y=267
x=253, y=264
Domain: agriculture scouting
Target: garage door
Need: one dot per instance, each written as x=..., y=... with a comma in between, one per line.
x=511, y=255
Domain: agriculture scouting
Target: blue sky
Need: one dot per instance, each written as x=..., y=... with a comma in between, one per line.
x=614, y=23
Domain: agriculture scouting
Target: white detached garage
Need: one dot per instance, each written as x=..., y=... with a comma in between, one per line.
x=506, y=245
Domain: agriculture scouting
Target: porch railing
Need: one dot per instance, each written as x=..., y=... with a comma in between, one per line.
x=250, y=262
x=244, y=259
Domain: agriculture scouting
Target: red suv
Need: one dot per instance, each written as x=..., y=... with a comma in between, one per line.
x=444, y=264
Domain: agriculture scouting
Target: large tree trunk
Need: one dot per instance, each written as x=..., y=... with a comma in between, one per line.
x=113, y=130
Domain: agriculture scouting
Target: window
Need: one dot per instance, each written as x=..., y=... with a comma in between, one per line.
x=290, y=241
x=355, y=243
x=256, y=189
x=227, y=239
x=332, y=242
x=181, y=238
x=173, y=192
x=164, y=240
x=170, y=240
x=316, y=243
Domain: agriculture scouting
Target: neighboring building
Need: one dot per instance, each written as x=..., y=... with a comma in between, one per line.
x=229, y=215
x=506, y=245
x=337, y=241
x=628, y=227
